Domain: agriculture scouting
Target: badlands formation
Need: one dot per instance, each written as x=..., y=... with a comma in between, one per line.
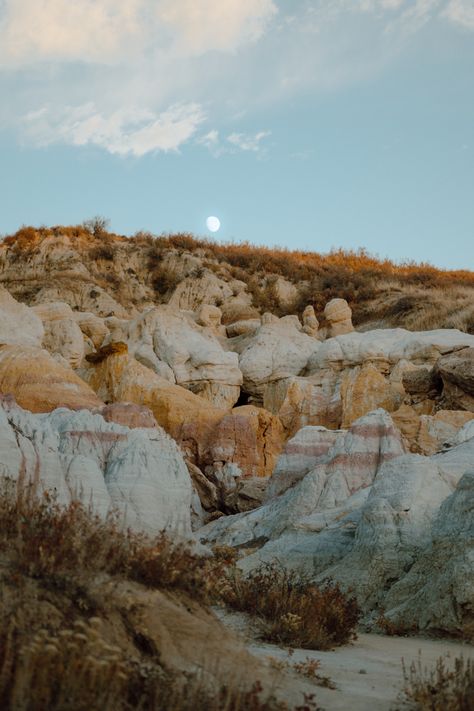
x=347, y=454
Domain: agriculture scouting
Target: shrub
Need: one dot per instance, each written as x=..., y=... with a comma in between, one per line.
x=97, y=225
x=293, y=610
x=444, y=688
x=55, y=543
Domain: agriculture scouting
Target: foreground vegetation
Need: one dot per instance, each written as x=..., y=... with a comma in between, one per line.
x=70, y=632
x=448, y=687
x=292, y=610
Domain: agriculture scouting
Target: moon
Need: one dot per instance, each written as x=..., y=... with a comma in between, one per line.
x=213, y=223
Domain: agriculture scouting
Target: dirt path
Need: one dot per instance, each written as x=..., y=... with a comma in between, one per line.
x=367, y=673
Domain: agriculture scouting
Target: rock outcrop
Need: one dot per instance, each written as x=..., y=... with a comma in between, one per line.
x=353, y=507
x=19, y=325
x=278, y=349
x=338, y=314
x=62, y=334
x=138, y=473
x=40, y=384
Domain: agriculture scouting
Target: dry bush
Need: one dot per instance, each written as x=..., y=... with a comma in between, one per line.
x=58, y=544
x=67, y=645
x=77, y=669
x=293, y=610
x=445, y=688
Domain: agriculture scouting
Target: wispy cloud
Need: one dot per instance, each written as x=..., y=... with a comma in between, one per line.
x=460, y=12
x=138, y=76
x=108, y=31
x=232, y=143
x=247, y=141
x=124, y=132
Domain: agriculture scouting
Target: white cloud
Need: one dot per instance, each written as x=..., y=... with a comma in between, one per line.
x=110, y=31
x=124, y=132
x=248, y=142
x=460, y=12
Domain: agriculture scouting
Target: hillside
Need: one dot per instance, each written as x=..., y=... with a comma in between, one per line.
x=108, y=274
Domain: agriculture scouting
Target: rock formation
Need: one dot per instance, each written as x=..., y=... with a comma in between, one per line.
x=139, y=473
x=339, y=317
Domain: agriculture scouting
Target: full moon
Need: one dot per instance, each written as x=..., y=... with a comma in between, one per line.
x=213, y=223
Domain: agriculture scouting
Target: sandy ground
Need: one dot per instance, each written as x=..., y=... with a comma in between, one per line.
x=367, y=673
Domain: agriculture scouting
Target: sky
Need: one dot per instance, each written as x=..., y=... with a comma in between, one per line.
x=311, y=124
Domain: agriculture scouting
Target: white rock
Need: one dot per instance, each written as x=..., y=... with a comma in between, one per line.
x=140, y=473
x=19, y=325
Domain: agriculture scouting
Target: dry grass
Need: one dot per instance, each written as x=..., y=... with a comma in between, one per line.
x=379, y=291
x=448, y=687
x=66, y=644
x=294, y=611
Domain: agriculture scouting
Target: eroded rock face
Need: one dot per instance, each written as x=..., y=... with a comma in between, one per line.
x=140, y=473
x=396, y=528
x=40, y=384
x=364, y=389
x=168, y=342
x=62, y=334
x=19, y=325
x=457, y=374
x=248, y=437
x=278, y=349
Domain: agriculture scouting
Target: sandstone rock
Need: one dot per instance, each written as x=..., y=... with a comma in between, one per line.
x=93, y=327
x=62, y=334
x=313, y=491
x=421, y=382
x=210, y=317
x=39, y=383
x=278, y=350
x=310, y=322
x=19, y=325
x=129, y=415
x=197, y=359
x=299, y=402
x=140, y=473
x=393, y=531
x=207, y=491
x=248, y=494
x=339, y=316
x=249, y=437
x=192, y=292
x=243, y=328
x=285, y=292
x=364, y=389
x=253, y=439
x=457, y=373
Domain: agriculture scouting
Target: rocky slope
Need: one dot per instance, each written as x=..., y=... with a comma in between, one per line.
x=145, y=376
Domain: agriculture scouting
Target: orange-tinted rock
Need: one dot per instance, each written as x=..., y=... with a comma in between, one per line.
x=364, y=389
x=129, y=415
x=40, y=384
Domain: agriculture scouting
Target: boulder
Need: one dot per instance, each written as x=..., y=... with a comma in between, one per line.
x=19, y=325
x=139, y=473
x=249, y=437
x=310, y=322
x=299, y=402
x=195, y=357
x=338, y=314
x=40, y=384
x=457, y=374
x=279, y=349
x=93, y=327
x=62, y=335
x=364, y=389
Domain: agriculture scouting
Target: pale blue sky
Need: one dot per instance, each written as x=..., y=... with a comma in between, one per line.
x=307, y=124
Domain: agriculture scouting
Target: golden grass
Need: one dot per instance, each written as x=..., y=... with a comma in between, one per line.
x=447, y=687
